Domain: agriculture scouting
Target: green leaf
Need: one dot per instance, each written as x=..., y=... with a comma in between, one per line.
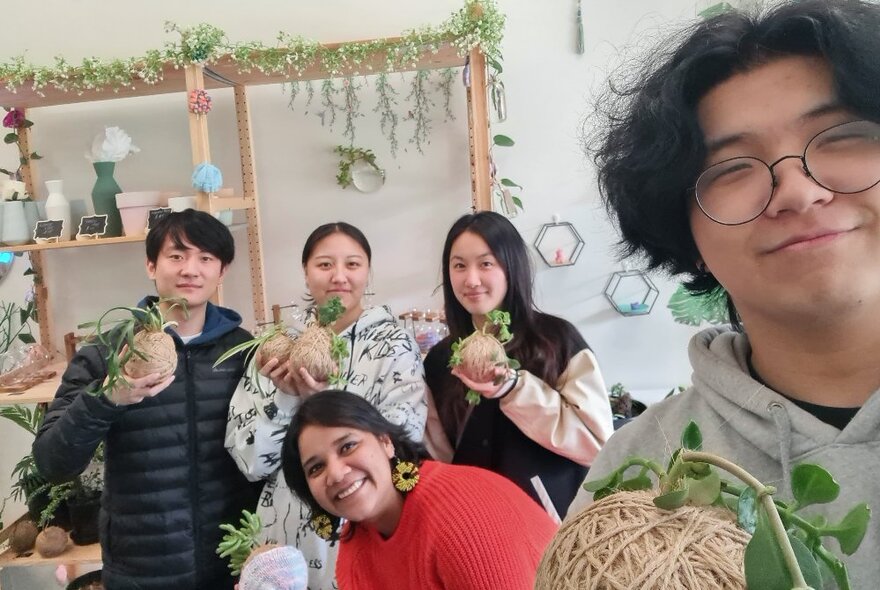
x=811, y=484
x=807, y=562
x=747, y=510
x=704, y=491
x=502, y=141
x=639, y=482
x=473, y=397
x=496, y=65
x=36, y=156
x=693, y=310
x=764, y=562
x=518, y=202
x=715, y=10
x=26, y=123
x=610, y=480
x=671, y=500
x=27, y=338
x=28, y=272
x=10, y=138
x=513, y=364
x=508, y=182
x=691, y=437
x=851, y=530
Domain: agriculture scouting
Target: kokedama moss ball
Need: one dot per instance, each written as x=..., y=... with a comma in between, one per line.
x=52, y=541
x=161, y=355
x=24, y=535
x=312, y=351
x=480, y=353
x=278, y=346
x=624, y=541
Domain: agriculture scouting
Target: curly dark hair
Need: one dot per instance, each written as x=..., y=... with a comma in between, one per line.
x=334, y=408
x=648, y=145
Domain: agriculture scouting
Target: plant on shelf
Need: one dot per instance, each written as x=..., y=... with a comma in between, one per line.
x=137, y=345
x=349, y=155
x=784, y=547
x=15, y=324
x=17, y=123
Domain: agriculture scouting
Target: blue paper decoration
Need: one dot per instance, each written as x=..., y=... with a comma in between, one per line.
x=207, y=178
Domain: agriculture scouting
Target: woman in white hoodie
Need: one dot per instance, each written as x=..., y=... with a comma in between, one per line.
x=746, y=156
x=384, y=367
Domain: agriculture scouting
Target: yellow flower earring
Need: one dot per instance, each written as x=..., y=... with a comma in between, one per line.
x=405, y=475
x=323, y=526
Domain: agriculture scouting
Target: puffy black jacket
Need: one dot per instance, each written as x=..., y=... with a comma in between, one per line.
x=169, y=482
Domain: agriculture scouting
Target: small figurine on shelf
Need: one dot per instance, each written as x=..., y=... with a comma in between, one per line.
x=559, y=257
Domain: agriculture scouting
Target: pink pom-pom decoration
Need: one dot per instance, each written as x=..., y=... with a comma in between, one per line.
x=199, y=102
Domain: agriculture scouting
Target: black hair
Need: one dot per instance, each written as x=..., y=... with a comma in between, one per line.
x=198, y=228
x=340, y=227
x=538, y=344
x=334, y=408
x=649, y=147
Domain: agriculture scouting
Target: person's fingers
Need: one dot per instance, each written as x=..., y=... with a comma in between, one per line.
x=160, y=386
x=308, y=380
x=268, y=366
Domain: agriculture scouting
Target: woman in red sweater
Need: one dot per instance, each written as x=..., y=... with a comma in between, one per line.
x=408, y=522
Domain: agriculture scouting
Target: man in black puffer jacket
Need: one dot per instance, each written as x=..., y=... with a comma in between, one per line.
x=169, y=482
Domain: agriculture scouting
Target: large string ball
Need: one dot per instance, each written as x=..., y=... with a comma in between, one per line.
x=623, y=541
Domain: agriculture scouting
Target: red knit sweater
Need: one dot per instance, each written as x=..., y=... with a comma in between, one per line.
x=462, y=528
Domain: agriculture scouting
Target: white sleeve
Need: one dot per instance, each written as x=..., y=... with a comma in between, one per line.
x=257, y=422
x=402, y=388
x=574, y=419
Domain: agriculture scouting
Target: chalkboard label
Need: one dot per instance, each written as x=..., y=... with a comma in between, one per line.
x=92, y=225
x=156, y=215
x=49, y=231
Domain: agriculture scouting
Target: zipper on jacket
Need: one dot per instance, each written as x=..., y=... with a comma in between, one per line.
x=192, y=431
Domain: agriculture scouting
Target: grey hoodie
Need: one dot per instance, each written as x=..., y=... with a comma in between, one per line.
x=752, y=425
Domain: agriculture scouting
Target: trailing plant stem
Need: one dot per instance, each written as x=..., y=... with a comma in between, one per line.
x=765, y=495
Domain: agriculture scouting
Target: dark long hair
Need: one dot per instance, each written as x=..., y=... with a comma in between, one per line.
x=538, y=344
x=333, y=408
x=647, y=142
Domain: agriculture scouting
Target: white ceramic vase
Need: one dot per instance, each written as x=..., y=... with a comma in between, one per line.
x=57, y=206
x=15, y=226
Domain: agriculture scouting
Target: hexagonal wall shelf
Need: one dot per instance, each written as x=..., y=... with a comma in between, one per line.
x=631, y=292
x=559, y=244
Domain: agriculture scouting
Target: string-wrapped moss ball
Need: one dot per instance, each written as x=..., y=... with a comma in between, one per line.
x=624, y=541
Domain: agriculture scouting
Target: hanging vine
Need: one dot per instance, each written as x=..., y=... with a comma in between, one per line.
x=351, y=107
x=447, y=77
x=385, y=107
x=421, y=106
x=330, y=108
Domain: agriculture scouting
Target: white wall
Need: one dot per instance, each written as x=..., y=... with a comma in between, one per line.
x=548, y=86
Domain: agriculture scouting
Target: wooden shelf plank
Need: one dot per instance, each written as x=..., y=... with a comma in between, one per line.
x=173, y=79
x=75, y=554
x=72, y=244
x=40, y=393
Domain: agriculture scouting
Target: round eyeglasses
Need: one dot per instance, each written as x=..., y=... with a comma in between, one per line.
x=844, y=159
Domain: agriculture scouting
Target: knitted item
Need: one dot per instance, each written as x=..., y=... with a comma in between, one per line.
x=461, y=527
x=624, y=541
x=282, y=568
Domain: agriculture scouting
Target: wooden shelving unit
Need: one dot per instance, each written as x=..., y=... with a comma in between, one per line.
x=222, y=73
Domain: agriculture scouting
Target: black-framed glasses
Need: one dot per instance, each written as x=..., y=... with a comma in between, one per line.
x=844, y=159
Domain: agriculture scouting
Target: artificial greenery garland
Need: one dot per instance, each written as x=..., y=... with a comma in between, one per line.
x=477, y=24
